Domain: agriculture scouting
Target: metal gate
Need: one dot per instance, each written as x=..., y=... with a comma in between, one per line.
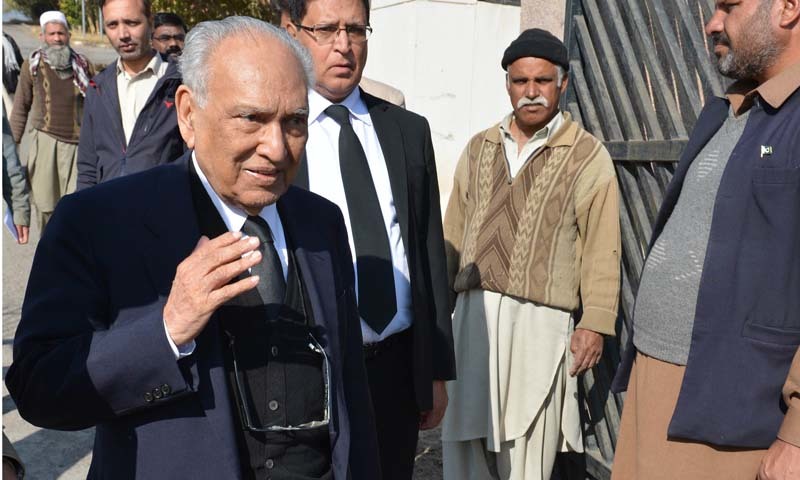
x=640, y=72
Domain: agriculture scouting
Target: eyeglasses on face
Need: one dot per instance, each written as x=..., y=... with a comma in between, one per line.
x=178, y=37
x=325, y=34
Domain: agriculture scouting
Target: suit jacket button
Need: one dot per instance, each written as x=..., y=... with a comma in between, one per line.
x=148, y=397
x=157, y=393
x=269, y=463
x=165, y=389
x=274, y=351
x=273, y=405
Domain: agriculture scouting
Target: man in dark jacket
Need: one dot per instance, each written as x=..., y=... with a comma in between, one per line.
x=712, y=367
x=129, y=122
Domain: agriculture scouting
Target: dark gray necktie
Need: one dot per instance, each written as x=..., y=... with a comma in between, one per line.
x=271, y=286
x=377, y=303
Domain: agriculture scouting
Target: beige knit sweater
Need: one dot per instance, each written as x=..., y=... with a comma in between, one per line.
x=549, y=235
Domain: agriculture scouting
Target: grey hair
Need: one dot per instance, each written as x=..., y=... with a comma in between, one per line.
x=205, y=37
x=561, y=73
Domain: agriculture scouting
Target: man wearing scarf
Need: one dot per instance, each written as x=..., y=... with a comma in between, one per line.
x=52, y=86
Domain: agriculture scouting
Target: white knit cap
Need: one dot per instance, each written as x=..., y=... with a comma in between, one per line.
x=52, y=16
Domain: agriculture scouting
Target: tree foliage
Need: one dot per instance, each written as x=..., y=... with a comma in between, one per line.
x=32, y=8
x=194, y=11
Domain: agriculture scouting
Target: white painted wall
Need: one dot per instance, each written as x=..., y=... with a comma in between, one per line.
x=445, y=57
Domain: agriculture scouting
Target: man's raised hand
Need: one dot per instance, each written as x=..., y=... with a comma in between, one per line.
x=202, y=283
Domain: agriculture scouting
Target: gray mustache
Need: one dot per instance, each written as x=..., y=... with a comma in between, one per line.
x=525, y=101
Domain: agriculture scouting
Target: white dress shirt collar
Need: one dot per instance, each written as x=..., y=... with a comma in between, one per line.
x=317, y=105
x=234, y=217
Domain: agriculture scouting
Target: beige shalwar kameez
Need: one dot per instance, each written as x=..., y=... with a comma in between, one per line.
x=507, y=415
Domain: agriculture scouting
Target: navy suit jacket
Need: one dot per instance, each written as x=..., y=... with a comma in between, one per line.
x=91, y=341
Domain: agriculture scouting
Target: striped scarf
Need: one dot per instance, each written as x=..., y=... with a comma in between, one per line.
x=80, y=68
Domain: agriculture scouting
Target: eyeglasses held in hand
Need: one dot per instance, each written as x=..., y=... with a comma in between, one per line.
x=325, y=34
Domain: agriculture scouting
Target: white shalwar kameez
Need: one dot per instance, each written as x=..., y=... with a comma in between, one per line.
x=513, y=405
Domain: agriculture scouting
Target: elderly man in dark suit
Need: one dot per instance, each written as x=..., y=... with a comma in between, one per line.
x=376, y=162
x=202, y=314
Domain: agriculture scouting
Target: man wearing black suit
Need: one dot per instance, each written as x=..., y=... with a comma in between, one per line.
x=376, y=162
x=201, y=315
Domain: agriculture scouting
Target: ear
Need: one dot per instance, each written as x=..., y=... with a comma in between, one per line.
x=789, y=13
x=564, y=82
x=290, y=27
x=186, y=108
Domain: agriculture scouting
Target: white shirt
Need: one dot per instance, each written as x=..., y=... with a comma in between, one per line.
x=516, y=160
x=134, y=90
x=325, y=179
x=234, y=219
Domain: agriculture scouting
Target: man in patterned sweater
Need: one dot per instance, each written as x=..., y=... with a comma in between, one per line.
x=532, y=231
x=51, y=90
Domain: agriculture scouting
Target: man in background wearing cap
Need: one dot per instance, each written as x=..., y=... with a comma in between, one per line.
x=532, y=232
x=52, y=86
x=130, y=124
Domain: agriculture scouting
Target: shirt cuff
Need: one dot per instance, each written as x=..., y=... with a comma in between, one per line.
x=179, y=352
x=598, y=320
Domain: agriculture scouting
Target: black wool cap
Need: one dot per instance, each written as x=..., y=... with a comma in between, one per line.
x=539, y=43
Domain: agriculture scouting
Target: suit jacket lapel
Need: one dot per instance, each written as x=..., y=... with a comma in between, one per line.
x=316, y=269
x=172, y=223
x=390, y=136
x=301, y=179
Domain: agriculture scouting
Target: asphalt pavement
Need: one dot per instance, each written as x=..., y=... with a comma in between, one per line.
x=48, y=454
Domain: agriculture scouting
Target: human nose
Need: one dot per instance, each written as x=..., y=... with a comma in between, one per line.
x=531, y=91
x=715, y=23
x=272, y=144
x=341, y=40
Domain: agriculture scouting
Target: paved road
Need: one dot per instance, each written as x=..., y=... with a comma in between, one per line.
x=50, y=454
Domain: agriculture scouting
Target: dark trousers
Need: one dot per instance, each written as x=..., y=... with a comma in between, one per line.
x=396, y=414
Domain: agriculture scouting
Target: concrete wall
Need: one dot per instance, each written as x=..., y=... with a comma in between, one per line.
x=546, y=14
x=445, y=57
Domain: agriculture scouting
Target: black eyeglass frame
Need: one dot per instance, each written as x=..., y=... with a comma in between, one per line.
x=348, y=29
x=244, y=412
x=178, y=37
